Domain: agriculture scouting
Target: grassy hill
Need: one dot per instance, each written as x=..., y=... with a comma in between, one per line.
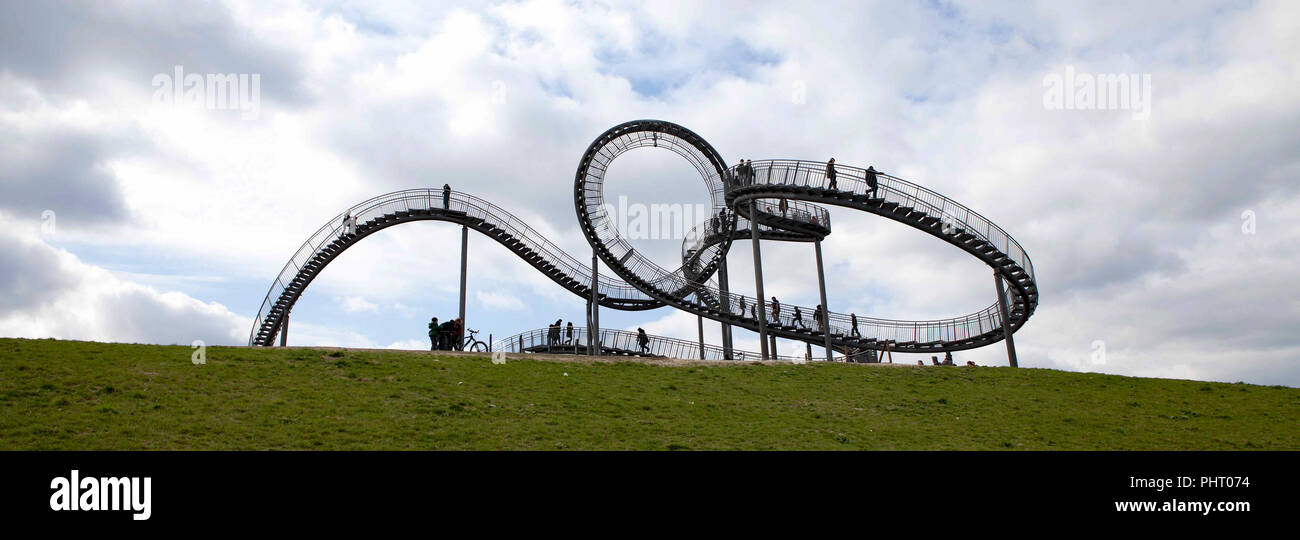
x=80, y=395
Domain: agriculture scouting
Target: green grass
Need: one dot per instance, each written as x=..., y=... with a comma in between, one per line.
x=80, y=395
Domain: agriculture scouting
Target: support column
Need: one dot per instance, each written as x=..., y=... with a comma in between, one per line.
x=284, y=330
x=701, y=323
x=464, y=265
x=758, y=279
x=1006, y=320
x=593, y=338
x=726, y=300
x=826, y=309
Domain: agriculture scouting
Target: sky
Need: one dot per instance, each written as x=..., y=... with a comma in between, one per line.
x=1164, y=231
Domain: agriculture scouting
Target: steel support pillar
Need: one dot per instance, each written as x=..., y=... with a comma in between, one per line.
x=700, y=319
x=464, y=266
x=1006, y=320
x=724, y=287
x=758, y=279
x=593, y=338
x=826, y=309
x=284, y=330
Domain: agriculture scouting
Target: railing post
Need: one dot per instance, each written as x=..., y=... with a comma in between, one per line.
x=758, y=278
x=826, y=308
x=1006, y=320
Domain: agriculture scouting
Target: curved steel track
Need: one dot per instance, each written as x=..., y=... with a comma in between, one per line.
x=642, y=284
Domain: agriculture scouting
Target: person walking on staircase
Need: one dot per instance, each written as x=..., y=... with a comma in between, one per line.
x=830, y=174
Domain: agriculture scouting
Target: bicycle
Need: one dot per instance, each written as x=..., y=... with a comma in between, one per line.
x=472, y=344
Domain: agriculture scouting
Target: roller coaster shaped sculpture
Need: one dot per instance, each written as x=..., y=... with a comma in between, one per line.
x=641, y=284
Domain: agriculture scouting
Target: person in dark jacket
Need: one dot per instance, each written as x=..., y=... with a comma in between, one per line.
x=830, y=174
x=871, y=180
x=853, y=321
x=433, y=333
x=568, y=333
x=643, y=340
x=798, y=318
x=445, y=332
x=446, y=196
x=776, y=311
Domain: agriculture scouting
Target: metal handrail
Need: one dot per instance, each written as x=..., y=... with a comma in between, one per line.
x=624, y=342
x=377, y=208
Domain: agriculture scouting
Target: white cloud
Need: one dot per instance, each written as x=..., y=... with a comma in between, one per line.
x=354, y=304
x=499, y=301
x=48, y=292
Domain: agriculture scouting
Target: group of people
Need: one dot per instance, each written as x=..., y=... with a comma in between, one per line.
x=947, y=361
x=869, y=176
x=448, y=336
x=745, y=175
x=553, y=333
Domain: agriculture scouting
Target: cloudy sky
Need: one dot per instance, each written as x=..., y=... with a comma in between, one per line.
x=1165, y=237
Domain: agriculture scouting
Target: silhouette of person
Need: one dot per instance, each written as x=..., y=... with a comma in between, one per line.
x=784, y=206
x=568, y=333
x=776, y=311
x=853, y=320
x=830, y=174
x=643, y=340
x=871, y=180
x=742, y=307
x=347, y=220
x=798, y=318
x=433, y=333
x=446, y=196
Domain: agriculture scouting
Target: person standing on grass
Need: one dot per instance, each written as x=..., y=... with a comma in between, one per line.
x=459, y=327
x=433, y=333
